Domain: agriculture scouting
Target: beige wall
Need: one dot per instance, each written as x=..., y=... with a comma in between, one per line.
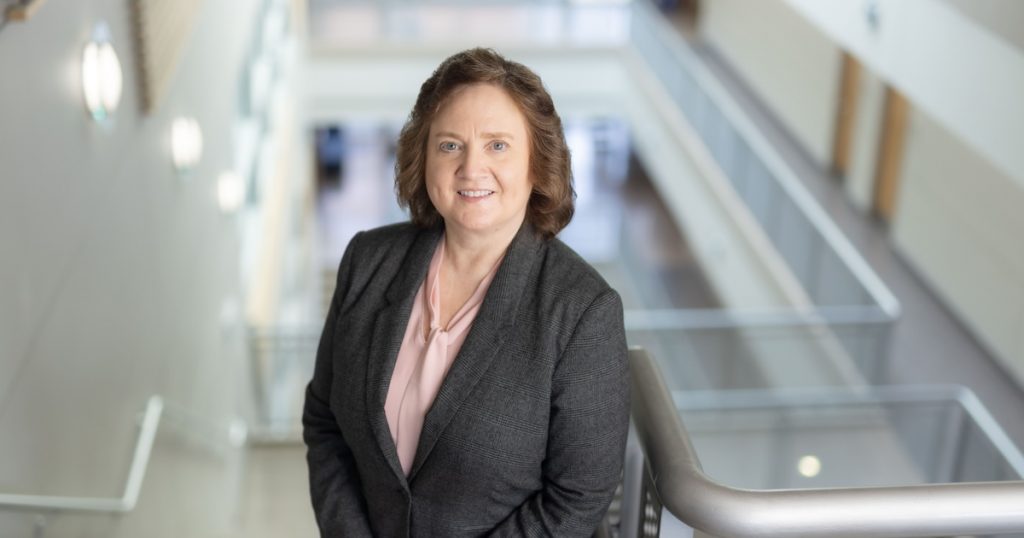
x=964, y=74
x=789, y=64
x=960, y=222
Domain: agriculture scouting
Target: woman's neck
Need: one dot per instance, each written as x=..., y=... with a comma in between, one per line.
x=475, y=254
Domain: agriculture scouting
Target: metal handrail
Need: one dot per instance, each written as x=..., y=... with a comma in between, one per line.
x=127, y=501
x=702, y=503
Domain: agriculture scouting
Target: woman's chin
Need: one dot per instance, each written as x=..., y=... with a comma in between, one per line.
x=470, y=227
x=479, y=227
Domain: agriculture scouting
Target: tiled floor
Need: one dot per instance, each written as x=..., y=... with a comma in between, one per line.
x=276, y=499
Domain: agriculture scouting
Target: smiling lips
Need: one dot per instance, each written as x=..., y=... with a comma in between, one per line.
x=475, y=194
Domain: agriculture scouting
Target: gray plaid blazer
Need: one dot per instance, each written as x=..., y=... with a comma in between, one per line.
x=527, y=433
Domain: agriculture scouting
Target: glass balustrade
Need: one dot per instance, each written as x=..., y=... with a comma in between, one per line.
x=883, y=461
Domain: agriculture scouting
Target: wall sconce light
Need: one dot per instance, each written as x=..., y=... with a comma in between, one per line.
x=186, y=143
x=230, y=192
x=101, y=74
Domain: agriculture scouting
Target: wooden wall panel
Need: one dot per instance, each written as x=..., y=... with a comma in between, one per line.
x=22, y=11
x=890, y=156
x=846, y=114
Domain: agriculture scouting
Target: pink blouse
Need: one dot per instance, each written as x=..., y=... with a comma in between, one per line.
x=423, y=361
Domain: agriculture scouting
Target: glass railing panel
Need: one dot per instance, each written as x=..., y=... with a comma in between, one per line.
x=800, y=231
x=829, y=271
x=786, y=439
x=832, y=275
x=871, y=462
x=183, y=478
x=190, y=490
x=723, y=350
x=281, y=361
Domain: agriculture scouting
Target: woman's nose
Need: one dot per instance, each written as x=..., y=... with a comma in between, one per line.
x=473, y=163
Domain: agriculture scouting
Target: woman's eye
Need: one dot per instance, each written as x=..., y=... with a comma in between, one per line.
x=449, y=146
x=498, y=145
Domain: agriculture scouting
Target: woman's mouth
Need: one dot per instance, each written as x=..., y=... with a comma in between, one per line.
x=475, y=194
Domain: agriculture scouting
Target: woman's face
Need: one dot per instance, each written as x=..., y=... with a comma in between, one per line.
x=478, y=160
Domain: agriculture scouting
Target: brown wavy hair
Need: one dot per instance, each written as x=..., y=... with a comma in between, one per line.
x=551, y=203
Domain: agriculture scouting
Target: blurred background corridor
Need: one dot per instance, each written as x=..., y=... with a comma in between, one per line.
x=813, y=211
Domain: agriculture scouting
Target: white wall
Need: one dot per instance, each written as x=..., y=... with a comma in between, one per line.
x=964, y=75
x=114, y=270
x=788, y=63
x=960, y=222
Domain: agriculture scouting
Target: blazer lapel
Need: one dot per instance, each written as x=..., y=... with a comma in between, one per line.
x=487, y=334
x=388, y=331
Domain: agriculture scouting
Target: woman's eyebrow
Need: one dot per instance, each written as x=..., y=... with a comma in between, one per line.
x=449, y=134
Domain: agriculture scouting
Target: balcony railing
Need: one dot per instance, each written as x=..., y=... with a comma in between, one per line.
x=675, y=479
x=850, y=311
x=124, y=503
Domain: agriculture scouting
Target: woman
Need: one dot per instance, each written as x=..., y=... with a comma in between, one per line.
x=472, y=377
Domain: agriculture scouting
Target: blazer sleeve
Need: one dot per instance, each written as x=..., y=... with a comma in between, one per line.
x=589, y=422
x=334, y=483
